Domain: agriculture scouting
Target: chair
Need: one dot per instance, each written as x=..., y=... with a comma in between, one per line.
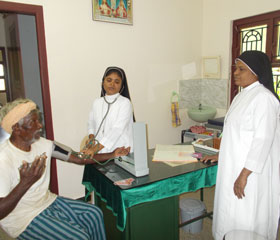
x=4, y=235
x=243, y=235
x=82, y=145
x=3, y=135
x=83, y=142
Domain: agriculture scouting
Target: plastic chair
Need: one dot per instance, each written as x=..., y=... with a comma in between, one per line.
x=83, y=142
x=82, y=145
x=243, y=235
x=4, y=235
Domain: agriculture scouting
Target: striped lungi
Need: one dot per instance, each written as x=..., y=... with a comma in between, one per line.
x=66, y=219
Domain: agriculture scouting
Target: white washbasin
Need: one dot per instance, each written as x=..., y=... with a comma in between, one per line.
x=202, y=113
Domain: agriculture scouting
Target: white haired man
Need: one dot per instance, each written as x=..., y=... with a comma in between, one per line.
x=28, y=210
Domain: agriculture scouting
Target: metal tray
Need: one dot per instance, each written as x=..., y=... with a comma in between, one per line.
x=205, y=148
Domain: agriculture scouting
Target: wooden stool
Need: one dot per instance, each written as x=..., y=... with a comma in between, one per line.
x=243, y=235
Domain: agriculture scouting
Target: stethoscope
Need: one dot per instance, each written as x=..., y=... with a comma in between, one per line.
x=108, y=109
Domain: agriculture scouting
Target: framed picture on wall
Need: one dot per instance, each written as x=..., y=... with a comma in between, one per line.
x=211, y=67
x=116, y=11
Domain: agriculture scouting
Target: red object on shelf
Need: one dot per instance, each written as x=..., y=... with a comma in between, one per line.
x=198, y=129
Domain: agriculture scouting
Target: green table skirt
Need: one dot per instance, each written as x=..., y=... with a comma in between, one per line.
x=118, y=200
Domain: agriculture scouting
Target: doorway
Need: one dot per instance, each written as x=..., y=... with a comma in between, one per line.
x=40, y=82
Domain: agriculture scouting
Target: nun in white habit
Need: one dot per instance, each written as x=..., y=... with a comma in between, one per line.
x=247, y=187
x=111, y=116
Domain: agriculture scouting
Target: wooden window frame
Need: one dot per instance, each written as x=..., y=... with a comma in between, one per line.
x=270, y=19
x=4, y=63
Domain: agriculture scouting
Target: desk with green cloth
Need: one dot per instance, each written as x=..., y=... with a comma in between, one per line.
x=149, y=207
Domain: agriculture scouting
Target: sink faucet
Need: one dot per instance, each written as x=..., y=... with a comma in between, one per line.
x=200, y=107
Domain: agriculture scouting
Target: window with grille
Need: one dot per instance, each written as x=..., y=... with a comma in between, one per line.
x=2, y=72
x=278, y=41
x=261, y=32
x=3, y=77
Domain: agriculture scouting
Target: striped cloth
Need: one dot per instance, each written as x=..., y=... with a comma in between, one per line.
x=66, y=219
x=176, y=121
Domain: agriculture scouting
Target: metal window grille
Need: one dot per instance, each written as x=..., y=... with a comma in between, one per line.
x=277, y=84
x=276, y=78
x=278, y=42
x=253, y=38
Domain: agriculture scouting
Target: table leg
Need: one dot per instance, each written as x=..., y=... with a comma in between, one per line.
x=201, y=194
x=183, y=136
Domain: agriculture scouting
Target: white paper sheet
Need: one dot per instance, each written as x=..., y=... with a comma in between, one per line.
x=174, y=153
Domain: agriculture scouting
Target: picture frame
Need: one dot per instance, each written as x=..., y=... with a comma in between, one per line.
x=211, y=67
x=115, y=11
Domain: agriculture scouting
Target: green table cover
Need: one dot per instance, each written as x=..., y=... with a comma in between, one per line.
x=118, y=200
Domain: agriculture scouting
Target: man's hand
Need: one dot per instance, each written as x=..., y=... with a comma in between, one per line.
x=28, y=176
x=241, y=182
x=212, y=158
x=122, y=151
x=100, y=157
x=31, y=174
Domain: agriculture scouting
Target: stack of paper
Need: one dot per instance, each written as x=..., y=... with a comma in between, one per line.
x=174, y=153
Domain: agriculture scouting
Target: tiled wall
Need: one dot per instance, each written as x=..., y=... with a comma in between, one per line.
x=210, y=92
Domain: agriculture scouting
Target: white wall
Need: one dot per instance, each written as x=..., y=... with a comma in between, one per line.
x=165, y=36
x=151, y=51
x=217, y=20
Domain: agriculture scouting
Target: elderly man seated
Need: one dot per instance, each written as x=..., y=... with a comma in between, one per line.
x=28, y=210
